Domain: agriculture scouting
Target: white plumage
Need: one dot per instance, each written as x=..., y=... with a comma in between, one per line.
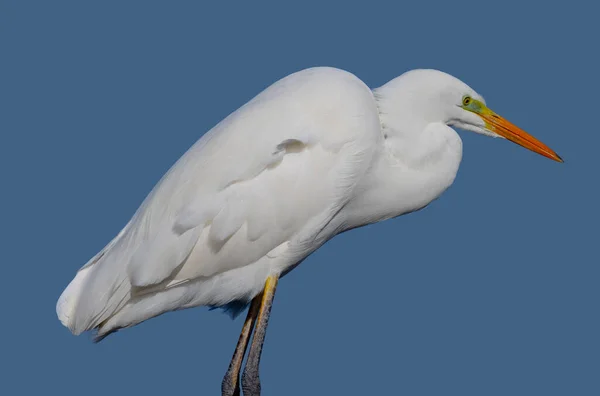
x=313, y=155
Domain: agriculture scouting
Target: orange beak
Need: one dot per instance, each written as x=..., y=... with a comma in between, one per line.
x=502, y=127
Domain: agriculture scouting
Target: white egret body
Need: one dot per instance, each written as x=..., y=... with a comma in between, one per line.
x=315, y=154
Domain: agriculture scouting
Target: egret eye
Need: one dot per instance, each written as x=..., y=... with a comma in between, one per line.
x=466, y=100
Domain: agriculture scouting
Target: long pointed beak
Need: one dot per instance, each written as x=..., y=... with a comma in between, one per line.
x=504, y=128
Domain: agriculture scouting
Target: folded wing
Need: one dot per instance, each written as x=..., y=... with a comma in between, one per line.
x=277, y=170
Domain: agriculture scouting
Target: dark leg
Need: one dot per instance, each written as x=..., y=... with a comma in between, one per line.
x=231, y=383
x=250, y=380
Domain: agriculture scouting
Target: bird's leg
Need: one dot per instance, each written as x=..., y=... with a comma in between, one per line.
x=250, y=380
x=231, y=382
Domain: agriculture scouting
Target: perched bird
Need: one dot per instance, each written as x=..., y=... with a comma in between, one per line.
x=315, y=154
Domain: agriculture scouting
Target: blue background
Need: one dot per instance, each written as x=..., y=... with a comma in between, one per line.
x=491, y=290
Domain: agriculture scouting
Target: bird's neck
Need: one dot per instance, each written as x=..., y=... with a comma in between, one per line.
x=415, y=134
x=415, y=163
x=406, y=106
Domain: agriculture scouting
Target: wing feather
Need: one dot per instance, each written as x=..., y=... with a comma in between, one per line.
x=278, y=169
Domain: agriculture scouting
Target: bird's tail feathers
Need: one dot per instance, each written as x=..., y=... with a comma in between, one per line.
x=84, y=303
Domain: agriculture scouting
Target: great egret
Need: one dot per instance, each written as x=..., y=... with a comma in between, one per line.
x=314, y=154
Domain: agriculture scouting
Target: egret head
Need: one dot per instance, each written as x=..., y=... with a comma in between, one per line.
x=435, y=96
x=474, y=115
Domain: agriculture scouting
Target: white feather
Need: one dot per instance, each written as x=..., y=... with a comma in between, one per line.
x=246, y=189
x=65, y=307
x=313, y=155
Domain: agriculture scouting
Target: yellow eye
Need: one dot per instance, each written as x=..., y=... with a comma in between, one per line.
x=467, y=100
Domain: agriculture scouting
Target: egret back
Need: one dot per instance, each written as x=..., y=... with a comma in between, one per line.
x=274, y=173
